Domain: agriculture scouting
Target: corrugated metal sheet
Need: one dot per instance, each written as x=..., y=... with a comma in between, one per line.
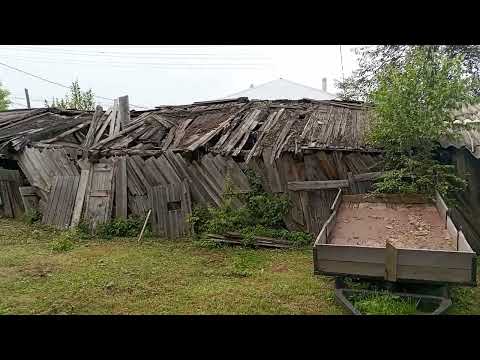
x=468, y=138
x=282, y=89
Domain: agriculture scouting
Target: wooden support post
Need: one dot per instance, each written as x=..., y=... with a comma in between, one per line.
x=391, y=257
x=123, y=112
x=28, y=98
x=351, y=183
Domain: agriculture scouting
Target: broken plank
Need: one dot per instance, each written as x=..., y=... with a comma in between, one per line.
x=80, y=197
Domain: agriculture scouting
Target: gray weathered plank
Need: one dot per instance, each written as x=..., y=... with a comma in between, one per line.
x=435, y=258
x=121, y=199
x=350, y=253
x=80, y=196
x=123, y=111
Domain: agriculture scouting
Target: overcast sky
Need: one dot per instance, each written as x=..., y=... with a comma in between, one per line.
x=162, y=75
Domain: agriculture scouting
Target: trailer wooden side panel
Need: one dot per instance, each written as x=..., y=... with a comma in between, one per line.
x=417, y=265
x=349, y=260
x=423, y=265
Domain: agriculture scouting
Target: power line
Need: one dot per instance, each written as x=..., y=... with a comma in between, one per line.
x=126, y=53
x=58, y=84
x=166, y=65
x=23, y=98
x=13, y=102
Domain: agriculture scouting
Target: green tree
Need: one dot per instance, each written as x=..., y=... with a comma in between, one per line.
x=77, y=99
x=4, y=101
x=373, y=59
x=411, y=112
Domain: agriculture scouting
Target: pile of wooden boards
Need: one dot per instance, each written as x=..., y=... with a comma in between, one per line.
x=259, y=241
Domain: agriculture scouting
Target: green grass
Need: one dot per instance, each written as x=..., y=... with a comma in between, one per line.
x=120, y=276
x=39, y=274
x=384, y=304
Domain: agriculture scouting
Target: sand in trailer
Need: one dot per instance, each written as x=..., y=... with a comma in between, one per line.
x=410, y=226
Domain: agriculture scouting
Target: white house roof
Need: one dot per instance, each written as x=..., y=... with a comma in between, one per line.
x=281, y=89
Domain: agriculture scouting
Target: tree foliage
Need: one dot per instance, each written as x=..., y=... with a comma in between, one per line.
x=411, y=113
x=4, y=101
x=373, y=59
x=77, y=99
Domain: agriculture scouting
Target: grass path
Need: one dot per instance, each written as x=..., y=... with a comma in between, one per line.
x=161, y=277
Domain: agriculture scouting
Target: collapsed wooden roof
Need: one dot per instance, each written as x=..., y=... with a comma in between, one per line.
x=226, y=127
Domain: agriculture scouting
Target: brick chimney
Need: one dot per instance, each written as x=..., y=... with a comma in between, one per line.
x=324, y=84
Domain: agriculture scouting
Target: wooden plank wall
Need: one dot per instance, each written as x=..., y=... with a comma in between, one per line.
x=29, y=198
x=99, y=196
x=41, y=167
x=61, y=201
x=166, y=221
x=134, y=177
x=11, y=204
x=206, y=178
x=310, y=209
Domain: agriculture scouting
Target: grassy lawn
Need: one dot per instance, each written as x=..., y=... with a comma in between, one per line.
x=162, y=277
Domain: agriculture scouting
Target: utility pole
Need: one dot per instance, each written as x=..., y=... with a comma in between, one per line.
x=28, y=98
x=341, y=62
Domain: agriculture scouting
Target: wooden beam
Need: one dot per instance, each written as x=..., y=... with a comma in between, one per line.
x=316, y=185
x=391, y=259
x=330, y=184
x=66, y=133
x=123, y=111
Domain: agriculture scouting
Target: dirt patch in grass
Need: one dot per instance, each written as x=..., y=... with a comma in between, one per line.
x=279, y=268
x=39, y=270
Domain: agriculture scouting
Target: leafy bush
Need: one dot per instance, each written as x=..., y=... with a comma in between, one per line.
x=120, y=227
x=64, y=241
x=261, y=215
x=422, y=177
x=83, y=230
x=117, y=227
x=411, y=114
x=32, y=216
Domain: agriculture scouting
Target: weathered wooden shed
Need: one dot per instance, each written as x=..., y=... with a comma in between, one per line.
x=114, y=163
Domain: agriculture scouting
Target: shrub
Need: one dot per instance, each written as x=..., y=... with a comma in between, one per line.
x=120, y=227
x=64, y=241
x=261, y=215
x=83, y=230
x=410, y=116
x=32, y=216
x=117, y=227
